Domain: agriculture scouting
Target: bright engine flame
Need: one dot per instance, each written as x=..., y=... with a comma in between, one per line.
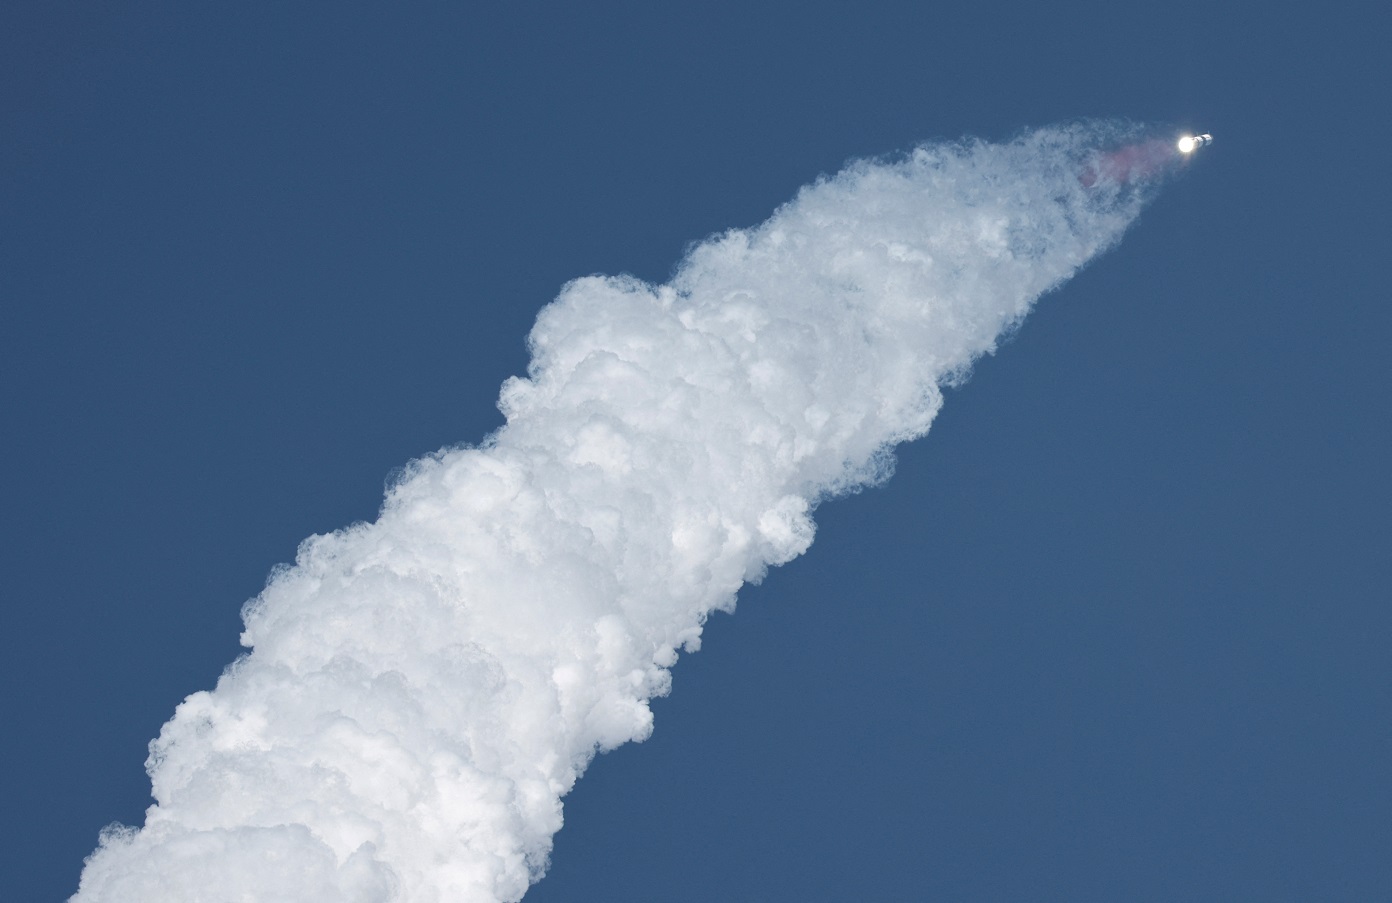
x=1187, y=144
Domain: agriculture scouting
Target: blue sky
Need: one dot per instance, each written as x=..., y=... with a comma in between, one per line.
x=1117, y=629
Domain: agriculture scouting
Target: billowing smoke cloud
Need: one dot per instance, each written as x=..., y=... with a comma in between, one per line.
x=422, y=691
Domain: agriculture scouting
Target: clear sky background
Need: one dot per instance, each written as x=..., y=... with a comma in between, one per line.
x=1117, y=630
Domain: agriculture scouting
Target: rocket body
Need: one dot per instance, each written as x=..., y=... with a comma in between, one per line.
x=1190, y=143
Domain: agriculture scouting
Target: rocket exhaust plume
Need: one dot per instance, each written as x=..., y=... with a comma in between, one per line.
x=421, y=692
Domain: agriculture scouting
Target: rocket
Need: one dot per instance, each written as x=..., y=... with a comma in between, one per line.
x=1190, y=143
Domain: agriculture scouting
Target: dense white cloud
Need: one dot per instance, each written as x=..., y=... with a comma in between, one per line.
x=422, y=691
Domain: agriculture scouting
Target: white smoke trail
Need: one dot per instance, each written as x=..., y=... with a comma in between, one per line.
x=423, y=690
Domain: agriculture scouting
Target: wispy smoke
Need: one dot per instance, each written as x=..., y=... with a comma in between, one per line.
x=422, y=691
